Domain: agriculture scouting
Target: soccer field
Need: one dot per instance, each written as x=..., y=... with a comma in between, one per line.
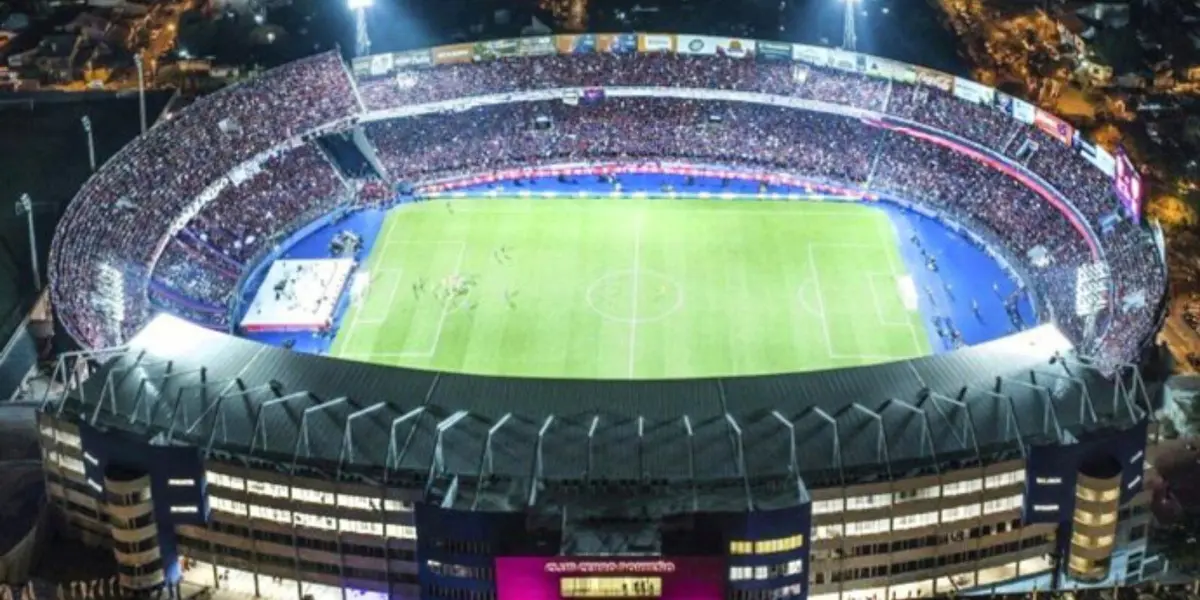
x=634, y=289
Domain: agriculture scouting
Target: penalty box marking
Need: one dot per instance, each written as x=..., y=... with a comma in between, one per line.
x=447, y=309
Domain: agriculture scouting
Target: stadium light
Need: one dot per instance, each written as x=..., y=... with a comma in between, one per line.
x=362, y=41
x=849, y=38
x=25, y=207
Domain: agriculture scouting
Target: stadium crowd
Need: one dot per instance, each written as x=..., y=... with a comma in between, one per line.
x=128, y=212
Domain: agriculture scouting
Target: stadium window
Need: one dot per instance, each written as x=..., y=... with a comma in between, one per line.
x=868, y=501
x=1003, y=479
x=914, y=521
x=1086, y=494
x=740, y=547
x=228, y=506
x=263, y=488
x=397, y=506
x=960, y=512
x=761, y=573
x=794, y=566
x=223, y=480
x=1003, y=504
x=314, y=496
x=962, y=487
x=778, y=545
x=826, y=532
x=1110, y=495
x=68, y=439
x=740, y=573
x=825, y=507
x=916, y=494
x=868, y=527
x=401, y=532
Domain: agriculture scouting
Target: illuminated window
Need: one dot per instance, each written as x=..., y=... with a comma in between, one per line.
x=868, y=527
x=1003, y=504
x=741, y=547
x=761, y=573
x=1086, y=541
x=1085, y=494
x=957, y=513
x=914, y=521
x=962, y=487
x=740, y=573
x=793, y=567
x=1110, y=495
x=610, y=587
x=228, y=506
x=992, y=482
x=826, y=507
x=778, y=545
x=223, y=480
x=868, y=501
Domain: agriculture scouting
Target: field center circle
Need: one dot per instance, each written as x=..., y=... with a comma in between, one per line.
x=612, y=296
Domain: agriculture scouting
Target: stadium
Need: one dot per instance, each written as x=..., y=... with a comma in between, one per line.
x=621, y=316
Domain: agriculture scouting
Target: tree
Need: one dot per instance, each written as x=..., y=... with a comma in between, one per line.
x=1171, y=211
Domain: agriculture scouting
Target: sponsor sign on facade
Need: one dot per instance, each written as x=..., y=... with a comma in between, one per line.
x=708, y=45
x=973, y=92
x=1053, y=126
x=616, y=43
x=457, y=53
x=840, y=59
x=412, y=59
x=774, y=51
x=536, y=46
x=937, y=79
x=575, y=44
x=813, y=55
x=495, y=49
x=656, y=42
x=381, y=64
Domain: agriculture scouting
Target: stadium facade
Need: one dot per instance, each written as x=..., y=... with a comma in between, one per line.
x=195, y=454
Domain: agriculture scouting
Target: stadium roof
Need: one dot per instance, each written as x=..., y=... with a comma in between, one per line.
x=506, y=443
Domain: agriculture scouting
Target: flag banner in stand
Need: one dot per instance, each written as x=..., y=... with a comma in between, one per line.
x=1053, y=126
x=840, y=59
x=813, y=55
x=656, y=42
x=457, y=53
x=412, y=59
x=1127, y=183
x=541, y=45
x=709, y=45
x=575, y=44
x=973, y=92
x=937, y=79
x=616, y=43
x=774, y=51
x=1015, y=107
x=495, y=49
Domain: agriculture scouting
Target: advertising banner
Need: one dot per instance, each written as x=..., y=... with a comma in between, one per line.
x=412, y=59
x=361, y=66
x=1053, y=126
x=1015, y=107
x=553, y=577
x=575, y=44
x=840, y=59
x=813, y=55
x=708, y=45
x=774, y=51
x=973, y=92
x=456, y=53
x=536, y=46
x=495, y=49
x=656, y=42
x=937, y=79
x=1127, y=183
x=381, y=64
x=616, y=43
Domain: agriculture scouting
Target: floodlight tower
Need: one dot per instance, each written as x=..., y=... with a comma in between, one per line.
x=362, y=41
x=25, y=207
x=849, y=38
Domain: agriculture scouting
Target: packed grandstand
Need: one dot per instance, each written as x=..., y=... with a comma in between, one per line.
x=173, y=220
x=958, y=472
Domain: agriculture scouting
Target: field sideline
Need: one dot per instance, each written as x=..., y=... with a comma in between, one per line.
x=634, y=289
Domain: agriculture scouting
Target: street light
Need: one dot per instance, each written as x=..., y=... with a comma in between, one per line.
x=137, y=60
x=362, y=42
x=87, y=129
x=849, y=37
x=25, y=207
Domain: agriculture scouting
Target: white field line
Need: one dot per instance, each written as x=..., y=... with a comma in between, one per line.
x=897, y=272
x=358, y=320
x=812, y=265
x=437, y=336
x=891, y=280
x=764, y=213
x=637, y=262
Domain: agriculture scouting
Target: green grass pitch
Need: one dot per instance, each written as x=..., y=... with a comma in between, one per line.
x=607, y=288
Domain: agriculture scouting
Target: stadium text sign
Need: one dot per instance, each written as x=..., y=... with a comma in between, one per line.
x=573, y=567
